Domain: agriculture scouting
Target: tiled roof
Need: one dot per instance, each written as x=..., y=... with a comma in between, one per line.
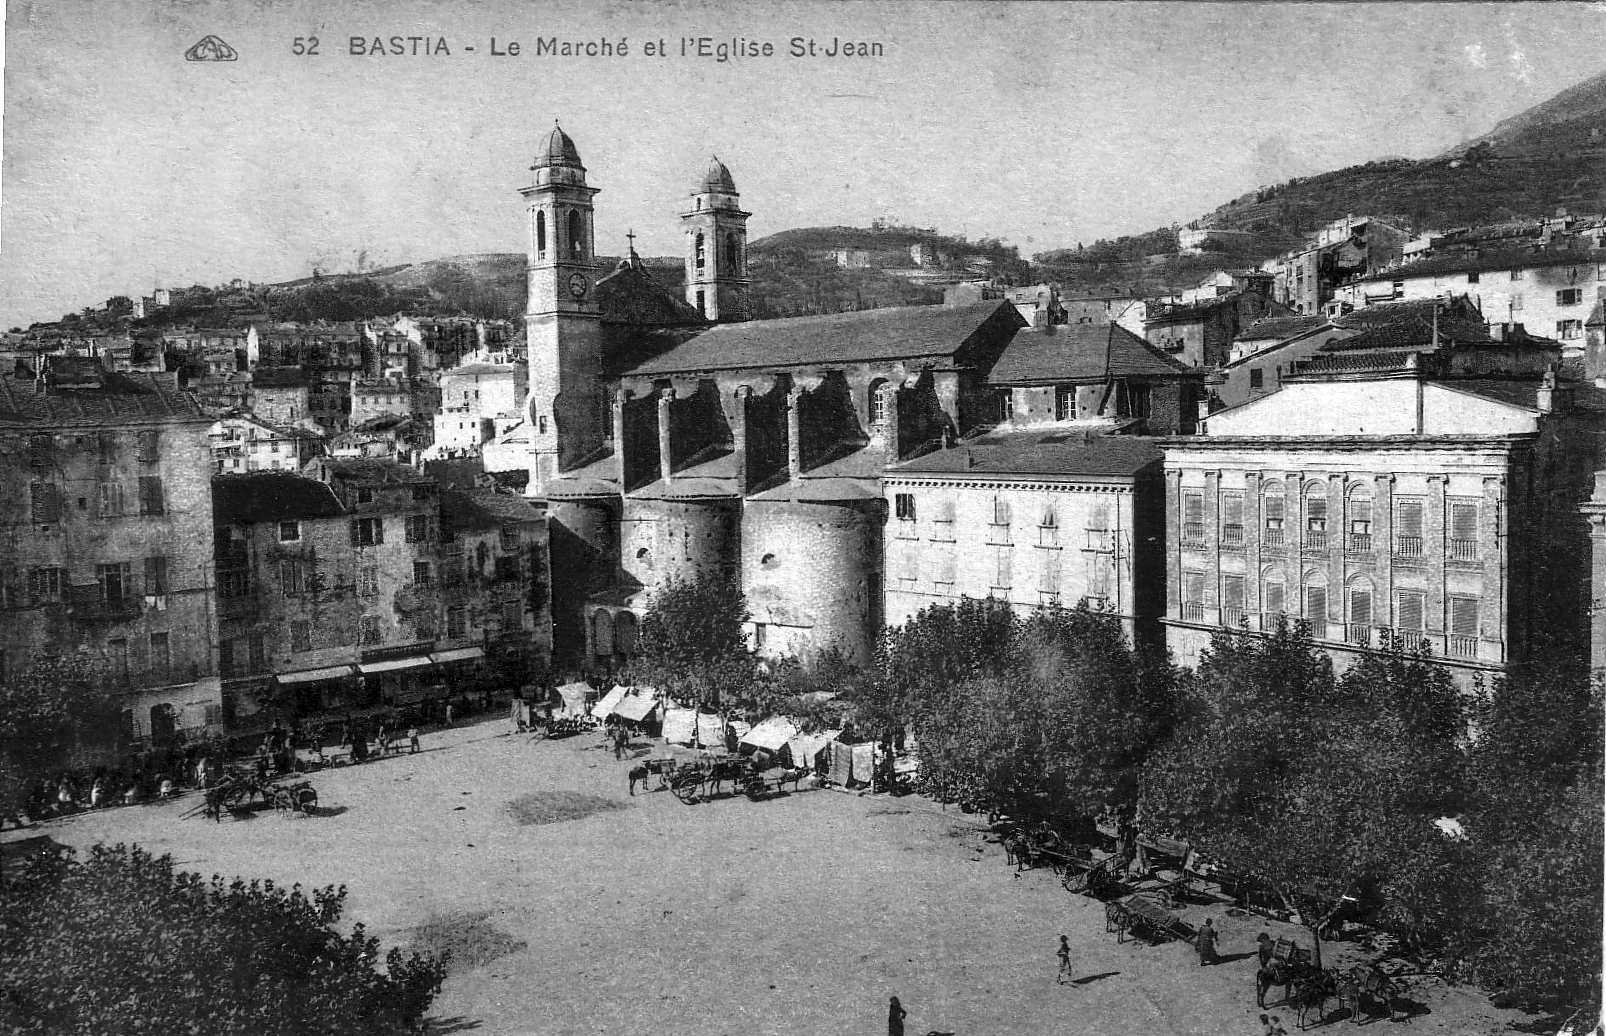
x=278, y=377
x=1394, y=312
x=115, y=399
x=483, y=510
x=368, y=469
x=1081, y=353
x=905, y=332
x=1504, y=259
x=1412, y=334
x=631, y=295
x=479, y=370
x=271, y=496
x=1052, y=454
x=1280, y=327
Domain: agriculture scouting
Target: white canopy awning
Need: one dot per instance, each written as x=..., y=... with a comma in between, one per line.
x=771, y=734
x=635, y=706
x=609, y=703
x=333, y=672
x=457, y=655
x=574, y=698
x=392, y=665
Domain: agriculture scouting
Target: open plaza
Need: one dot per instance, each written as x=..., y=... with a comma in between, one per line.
x=572, y=906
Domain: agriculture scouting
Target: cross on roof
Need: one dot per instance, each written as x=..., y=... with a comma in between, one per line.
x=631, y=235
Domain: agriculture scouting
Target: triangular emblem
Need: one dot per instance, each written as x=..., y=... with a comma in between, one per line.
x=210, y=48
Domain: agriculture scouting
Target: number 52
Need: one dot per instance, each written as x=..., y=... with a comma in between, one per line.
x=304, y=45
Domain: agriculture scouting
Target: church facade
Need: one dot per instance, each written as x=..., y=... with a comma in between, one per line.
x=671, y=437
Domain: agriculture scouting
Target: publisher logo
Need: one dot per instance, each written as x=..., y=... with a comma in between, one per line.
x=210, y=48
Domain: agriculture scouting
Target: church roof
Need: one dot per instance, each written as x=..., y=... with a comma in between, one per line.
x=557, y=149
x=631, y=295
x=904, y=332
x=1057, y=454
x=1081, y=353
x=718, y=178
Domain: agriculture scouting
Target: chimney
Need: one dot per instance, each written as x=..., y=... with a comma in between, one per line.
x=970, y=459
x=1552, y=397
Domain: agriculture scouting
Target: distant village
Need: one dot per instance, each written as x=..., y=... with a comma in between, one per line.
x=1390, y=431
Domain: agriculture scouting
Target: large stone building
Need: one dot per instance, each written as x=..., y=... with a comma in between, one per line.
x=1035, y=518
x=1392, y=500
x=367, y=584
x=668, y=447
x=1549, y=292
x=108, y=536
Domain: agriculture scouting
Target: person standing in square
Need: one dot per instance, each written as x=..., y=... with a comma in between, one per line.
x=1064, y=955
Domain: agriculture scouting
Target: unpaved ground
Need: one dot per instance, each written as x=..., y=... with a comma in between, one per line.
x=578, y=909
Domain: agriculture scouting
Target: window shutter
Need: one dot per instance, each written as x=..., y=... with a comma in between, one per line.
x=39, y=451
x=1232, y=508
x=1050, y=517
x=1360, y=607
x=1360, y=509
x=1274, y=598
x=150, y=446
x=44, y=504
x=1232, y=591
x=1049, y=577
x=1316, y=507
x=1193, y=507
x=1001, y=513
x=1463, y=521
x=150, y=495
x=1005, y=565
x=1316, y=603
x=1409, y=518
x=1273, y=507
x=1464, y=616
x=355, y=536
x=1193, y=584
x=1409, y=609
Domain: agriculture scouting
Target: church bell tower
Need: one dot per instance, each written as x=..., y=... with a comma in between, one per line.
x=716, y=247
x=567, y=408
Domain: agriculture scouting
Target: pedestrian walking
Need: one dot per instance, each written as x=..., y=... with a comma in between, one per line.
x=1064, y=956
x=1205, y=942
x=449, y=711
x=895, y=1016
x=412, y=740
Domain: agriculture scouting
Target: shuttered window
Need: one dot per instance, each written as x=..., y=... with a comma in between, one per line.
x=39, y=451
x=946, y=566
x=1316, y=510
x=1271, y=506
x=46, y=584
x=1193, y=587
x=1274, y=598
x=1004, y=568
x=1232, y=591
x=1048, y=577
x=150, y=446
x=1410, y=610
x=151, y=499
x=1193, y=507
x=1001, y=511
x=1232, y=508
x=1360, y=606
x=156, y=576
x=1408, y=518
x=1464, y=521
x=44, y=503
x=1316, y=606
x=1360, y=514
x=1464, y=616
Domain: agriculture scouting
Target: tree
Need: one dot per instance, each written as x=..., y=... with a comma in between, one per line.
x=692, y=640
x=123, y=942
x=58, y=713
x=1325, y=789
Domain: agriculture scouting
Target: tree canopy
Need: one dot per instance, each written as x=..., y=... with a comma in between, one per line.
x=692, y=640
x=57, y=713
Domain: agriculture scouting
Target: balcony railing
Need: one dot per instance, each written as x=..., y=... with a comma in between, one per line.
x=1272, y=538
x=1192, y=611
x=998, y=535
x=1233, y=617
x=1358, y=633
x=1360, y=543
x=1318, y=628
x=1193, y=532
x=1463, y=550
x=1462, y=646
x=1315, y=539
x=1232, y=535
x=1100, y=540
x=1408, y=546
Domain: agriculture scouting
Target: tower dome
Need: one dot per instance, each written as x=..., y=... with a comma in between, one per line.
x=718, y=178
x=558, y=149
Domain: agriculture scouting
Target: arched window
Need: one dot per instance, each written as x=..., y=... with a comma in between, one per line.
x=733, y=264
x=1316, y=516
x=1271, y=597
x=698, y=254
x=1358, y=608
x=878, y=403
x=624, y=634
x=540, y=235
x=1316, y=603
x=602, y=632
x=1360, y=519
x=577, y=237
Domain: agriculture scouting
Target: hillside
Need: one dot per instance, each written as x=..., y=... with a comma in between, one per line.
x=1549, y=157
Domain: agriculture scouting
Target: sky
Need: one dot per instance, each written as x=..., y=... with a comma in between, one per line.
x=126, y=167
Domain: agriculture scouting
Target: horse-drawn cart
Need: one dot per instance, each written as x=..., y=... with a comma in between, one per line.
x=1147, y=915
x=697, y=782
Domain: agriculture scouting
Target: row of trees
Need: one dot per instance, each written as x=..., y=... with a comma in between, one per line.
x=1325, y=789
x=122, y=942
x=1330, y=791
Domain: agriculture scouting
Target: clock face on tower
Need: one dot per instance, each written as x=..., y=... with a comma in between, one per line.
x=578, y=286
